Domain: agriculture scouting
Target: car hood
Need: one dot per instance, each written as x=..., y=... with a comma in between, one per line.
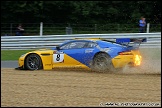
x=42, y=51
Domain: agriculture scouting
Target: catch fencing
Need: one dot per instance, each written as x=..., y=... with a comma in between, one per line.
x=49, y=41
x=30, y=29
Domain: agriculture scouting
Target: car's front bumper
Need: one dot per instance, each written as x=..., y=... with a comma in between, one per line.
x=20, y=68
x=20, y=63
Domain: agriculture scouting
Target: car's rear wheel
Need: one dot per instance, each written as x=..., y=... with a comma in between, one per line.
x=102, y=63
x=33, y=62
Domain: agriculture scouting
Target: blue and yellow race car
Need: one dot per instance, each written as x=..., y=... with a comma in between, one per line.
x=90, y=54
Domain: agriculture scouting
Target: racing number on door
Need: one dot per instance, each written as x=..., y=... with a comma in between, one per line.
x=58, y=58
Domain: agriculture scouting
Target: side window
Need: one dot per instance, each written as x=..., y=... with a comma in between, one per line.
x=91, y=45
x=65, y=46
x=73, y=45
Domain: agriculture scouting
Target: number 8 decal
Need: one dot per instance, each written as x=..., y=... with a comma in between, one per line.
x=58, y=58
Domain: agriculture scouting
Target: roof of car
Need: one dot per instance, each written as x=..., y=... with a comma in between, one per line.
x=87, y=39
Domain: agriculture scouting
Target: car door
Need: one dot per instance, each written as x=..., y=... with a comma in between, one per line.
x=70, y=54
x=82, y=51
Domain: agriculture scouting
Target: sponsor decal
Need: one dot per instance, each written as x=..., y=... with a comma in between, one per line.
x=103, y=49
x=89, y=50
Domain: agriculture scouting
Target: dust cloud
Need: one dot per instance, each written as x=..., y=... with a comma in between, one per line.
x=151, y=62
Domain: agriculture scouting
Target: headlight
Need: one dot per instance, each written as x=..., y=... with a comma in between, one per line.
x=22, y=55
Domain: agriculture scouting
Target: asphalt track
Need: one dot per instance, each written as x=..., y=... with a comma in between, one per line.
x=9, y=64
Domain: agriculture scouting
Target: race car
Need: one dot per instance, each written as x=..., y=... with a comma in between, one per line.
x=89, y=54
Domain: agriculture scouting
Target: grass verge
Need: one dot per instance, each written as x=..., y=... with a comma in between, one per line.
x=12, y=54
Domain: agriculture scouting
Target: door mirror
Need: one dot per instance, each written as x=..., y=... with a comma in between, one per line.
x=57, y=47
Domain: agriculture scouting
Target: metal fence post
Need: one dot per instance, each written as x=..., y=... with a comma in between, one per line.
x=68, y=29
x=41, y=28
x=148, y=27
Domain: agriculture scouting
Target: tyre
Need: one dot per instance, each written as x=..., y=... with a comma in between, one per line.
x=33, y=62
x=102, y=63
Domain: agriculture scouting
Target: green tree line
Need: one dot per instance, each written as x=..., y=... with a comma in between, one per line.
x=114, y=12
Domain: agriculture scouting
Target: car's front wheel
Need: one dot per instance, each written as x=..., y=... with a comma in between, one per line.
x=102, y=63
x=33, y=62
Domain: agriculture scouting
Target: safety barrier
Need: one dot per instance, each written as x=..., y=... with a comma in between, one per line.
x=49, y=41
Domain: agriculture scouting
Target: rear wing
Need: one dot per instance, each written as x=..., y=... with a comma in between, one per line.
x=128, y=41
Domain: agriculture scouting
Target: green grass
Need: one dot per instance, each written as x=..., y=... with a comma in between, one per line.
x=12, y=54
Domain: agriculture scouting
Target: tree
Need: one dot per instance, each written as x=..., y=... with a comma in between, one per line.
x=79, y=11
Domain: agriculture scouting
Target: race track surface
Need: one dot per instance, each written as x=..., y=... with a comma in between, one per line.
x=9, y=64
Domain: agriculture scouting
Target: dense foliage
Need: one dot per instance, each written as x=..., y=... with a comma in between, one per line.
x=114, y=12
